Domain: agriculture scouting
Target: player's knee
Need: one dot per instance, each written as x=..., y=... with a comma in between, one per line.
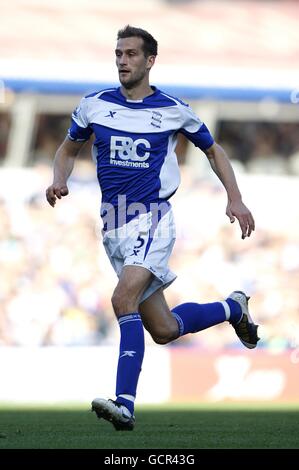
x=117, y=301
x=122, y=304
x=165, y=336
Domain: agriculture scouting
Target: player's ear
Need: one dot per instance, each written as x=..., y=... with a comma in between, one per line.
x=150, y=61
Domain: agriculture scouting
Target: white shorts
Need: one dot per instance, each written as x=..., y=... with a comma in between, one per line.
x=144, y=242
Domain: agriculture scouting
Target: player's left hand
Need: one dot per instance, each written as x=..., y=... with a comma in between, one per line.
x=236, y=209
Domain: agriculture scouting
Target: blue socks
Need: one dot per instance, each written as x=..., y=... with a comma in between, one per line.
x=131, y=352
x=235, y=311
x=193, y=317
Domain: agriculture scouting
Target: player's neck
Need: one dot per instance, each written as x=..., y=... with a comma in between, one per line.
x=137, y=93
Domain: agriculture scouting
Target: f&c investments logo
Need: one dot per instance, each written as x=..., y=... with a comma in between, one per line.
x=124, y=151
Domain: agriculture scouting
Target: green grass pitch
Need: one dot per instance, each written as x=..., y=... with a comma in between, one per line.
x=203, y=426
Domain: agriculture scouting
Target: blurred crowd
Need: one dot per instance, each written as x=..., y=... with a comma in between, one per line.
x=262, y=147
x=56, y=281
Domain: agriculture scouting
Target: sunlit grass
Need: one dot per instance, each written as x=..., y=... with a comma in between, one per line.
x=170, y=426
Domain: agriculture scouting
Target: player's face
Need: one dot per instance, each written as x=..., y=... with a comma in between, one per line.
x=133, y=67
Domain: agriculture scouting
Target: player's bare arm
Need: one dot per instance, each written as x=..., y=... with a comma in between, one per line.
x=63, y=166
x=235, y=206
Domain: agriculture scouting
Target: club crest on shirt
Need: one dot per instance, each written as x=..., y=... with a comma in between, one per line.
x=156, y=119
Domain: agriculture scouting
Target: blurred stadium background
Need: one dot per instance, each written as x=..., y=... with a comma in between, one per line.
x=237, y=64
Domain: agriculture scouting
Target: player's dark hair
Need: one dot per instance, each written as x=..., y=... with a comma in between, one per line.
x=150, y=45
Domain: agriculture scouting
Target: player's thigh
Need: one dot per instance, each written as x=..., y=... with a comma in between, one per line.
x=156, y=315
x=133, y=281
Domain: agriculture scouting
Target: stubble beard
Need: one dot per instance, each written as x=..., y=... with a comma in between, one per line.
x=133, y=82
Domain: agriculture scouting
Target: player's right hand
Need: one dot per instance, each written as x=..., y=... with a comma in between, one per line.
x=56, y=191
